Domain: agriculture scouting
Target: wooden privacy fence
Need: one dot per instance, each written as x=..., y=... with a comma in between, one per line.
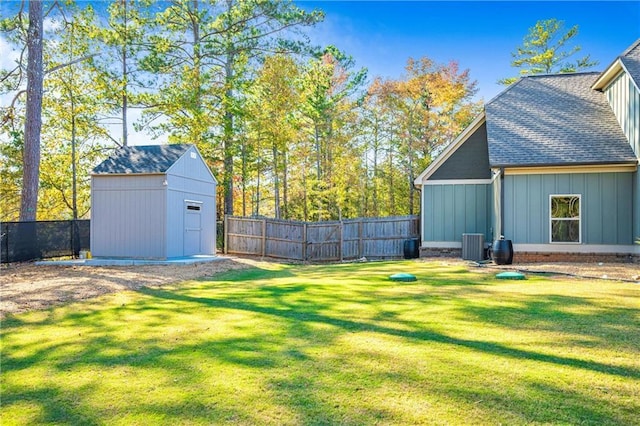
x=373, y=238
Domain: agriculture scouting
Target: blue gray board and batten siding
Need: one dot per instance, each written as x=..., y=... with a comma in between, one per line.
x=452, y=208
x=624, y=98
x=566, y=134
x=605, y=206
x=139, y=204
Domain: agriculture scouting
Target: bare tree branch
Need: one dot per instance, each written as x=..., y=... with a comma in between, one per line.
x=75, y=61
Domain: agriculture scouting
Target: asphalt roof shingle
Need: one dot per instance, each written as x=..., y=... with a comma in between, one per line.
x=554, y=120
x=631, y=60
x=142, y=159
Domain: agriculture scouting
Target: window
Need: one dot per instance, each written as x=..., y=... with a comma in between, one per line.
x=565, y=218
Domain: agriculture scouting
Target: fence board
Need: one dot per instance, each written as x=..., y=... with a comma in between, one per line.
x=375, y=238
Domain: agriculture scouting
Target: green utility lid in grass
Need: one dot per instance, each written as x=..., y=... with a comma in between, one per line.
x=403, y=277
x=510, y=276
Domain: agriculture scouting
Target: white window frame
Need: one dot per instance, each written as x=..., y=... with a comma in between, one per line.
x=579, y=219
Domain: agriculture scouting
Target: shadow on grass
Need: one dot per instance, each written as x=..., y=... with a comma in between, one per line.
x=297, y=317
x=566, y=314
x=423, y=335
x=57, y=407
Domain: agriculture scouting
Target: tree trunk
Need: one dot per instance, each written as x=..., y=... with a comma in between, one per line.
x=276, y=181
x=244, y=178
x=411, y=187
x=375, y=169
x=305, y=200
x=33, y=118
x=256, y=210
x=74, y=172
x=318, y=152
x=125, y=99
x=285, y=190
x=392, y=200
x=228, y=137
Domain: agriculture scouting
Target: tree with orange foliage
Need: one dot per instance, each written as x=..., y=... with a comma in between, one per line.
x=421, y=112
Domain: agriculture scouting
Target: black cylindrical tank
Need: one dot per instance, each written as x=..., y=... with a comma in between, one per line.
x=412, y=248
x=503, y=252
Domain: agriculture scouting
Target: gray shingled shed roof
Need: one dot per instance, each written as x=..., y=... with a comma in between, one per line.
x=142, y=159
x=554, y=120
x=631, y=60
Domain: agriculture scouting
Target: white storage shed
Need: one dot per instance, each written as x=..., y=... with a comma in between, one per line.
x=153, y=202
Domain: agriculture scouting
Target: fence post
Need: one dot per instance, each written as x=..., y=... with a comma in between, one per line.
x=226, y=234
x=360, y=247
x=264, y=237
x=75, y=238
x=4, y=243
x=304, y=242
x=341, y=248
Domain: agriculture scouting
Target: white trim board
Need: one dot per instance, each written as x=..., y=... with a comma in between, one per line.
x=553, y=170
x=611, y=73
x=442, y=244
x=576, y=248
x=459, y=182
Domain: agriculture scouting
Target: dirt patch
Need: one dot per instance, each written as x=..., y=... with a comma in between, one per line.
x=629, y=272
x=605, y=271
x=26, y=287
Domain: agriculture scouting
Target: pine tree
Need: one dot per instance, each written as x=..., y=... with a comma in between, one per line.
x=546, y=49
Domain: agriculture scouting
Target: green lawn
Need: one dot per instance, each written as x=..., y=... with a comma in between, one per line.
x=337, y=344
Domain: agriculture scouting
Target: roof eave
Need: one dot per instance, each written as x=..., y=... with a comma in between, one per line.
x=587, y=167
x=577, y=163
x=609, y=74
x=128, y=174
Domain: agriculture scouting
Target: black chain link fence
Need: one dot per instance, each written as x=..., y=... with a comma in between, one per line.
x=25, y=241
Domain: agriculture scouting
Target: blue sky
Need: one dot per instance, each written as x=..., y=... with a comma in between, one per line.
x=480, y=35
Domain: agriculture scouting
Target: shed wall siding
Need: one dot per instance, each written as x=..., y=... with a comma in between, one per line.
x=176, y=225
x=606, y=208
x=189, y=179
x=624, y=99
x=470, y=161
x=191, y=166
x=117, y=227
x=451, y=210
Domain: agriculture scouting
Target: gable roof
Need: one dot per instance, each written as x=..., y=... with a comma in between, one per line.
x=549, y=120
x=451, y=149
x=147, y=159
x=629, y=61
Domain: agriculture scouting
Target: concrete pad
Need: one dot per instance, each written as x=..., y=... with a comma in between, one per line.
x=186, y=260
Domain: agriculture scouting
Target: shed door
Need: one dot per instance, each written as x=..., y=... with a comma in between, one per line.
x=192, y=227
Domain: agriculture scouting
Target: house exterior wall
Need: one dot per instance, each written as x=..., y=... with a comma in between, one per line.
x=449, y=210
x=636, y=207
x=606, y=207
x=470, y=161
x=624, y=98
x=128, y=216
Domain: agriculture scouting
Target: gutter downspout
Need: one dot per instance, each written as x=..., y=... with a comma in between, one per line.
x=419, y=189
x=501, y=202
